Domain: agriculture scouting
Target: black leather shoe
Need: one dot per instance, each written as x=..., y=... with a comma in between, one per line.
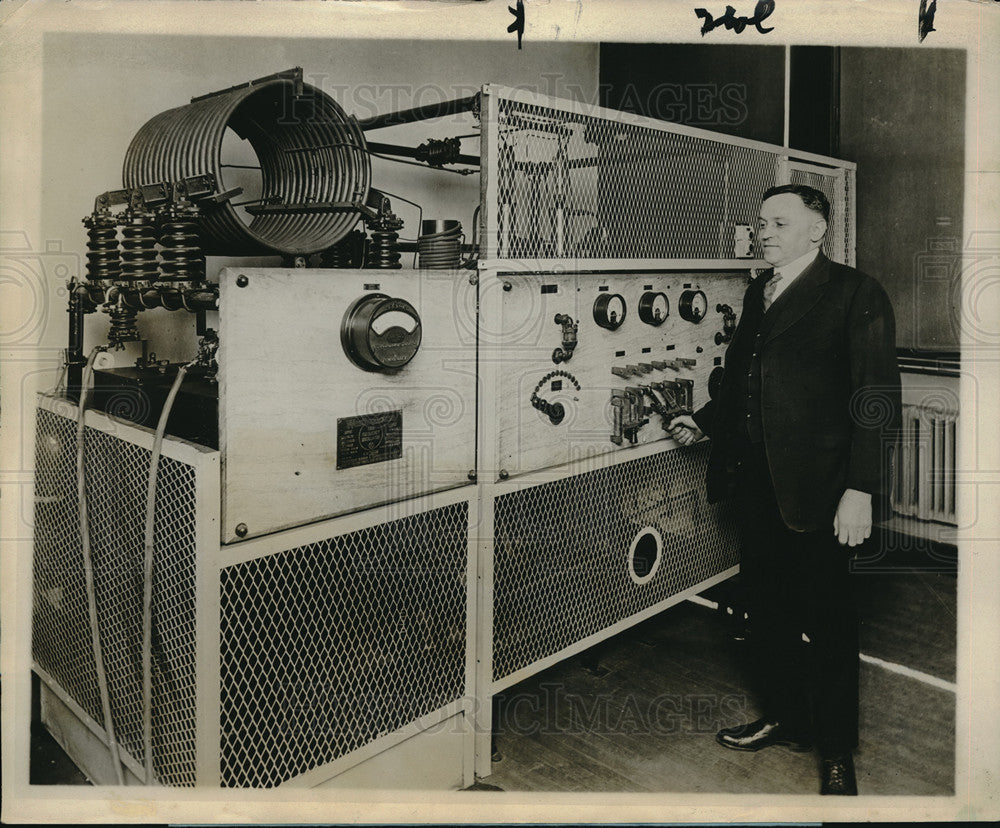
x=837, y=776
x=758, y=735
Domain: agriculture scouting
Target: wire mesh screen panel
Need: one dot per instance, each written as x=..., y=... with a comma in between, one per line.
x=117, y=472
x=834, y=184
x=329, y=646
x=582, y=186
x=562, y=551
x=61, y=643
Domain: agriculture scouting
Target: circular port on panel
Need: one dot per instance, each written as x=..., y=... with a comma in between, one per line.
x=644, y=555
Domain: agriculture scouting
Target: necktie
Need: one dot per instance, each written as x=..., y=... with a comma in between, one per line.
x=769, y=287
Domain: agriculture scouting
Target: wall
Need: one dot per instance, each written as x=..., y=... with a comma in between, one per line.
x=902, y=120
x=737, y=90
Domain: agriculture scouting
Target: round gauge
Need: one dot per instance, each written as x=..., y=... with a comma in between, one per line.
x=715, y=381
x=654, y=307
x=380, y=333
x=609, y=310
x=693, y=305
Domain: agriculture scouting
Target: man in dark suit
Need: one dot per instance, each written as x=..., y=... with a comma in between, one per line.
x=802, y=427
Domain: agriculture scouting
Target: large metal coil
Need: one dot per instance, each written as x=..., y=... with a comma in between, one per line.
x=309, y=151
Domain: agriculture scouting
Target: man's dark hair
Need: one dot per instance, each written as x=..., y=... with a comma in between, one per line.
x=814, y=199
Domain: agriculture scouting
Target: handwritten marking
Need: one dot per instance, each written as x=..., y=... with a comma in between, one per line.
x=761, y=12
x=926, y=18
x=518, y=24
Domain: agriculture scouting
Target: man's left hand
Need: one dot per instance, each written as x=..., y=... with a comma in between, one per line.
x=853, y=522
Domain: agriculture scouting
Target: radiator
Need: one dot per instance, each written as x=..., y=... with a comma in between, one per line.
x=924, y=470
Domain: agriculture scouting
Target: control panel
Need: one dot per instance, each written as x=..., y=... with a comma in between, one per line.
x=363, y=392
x=595, y=363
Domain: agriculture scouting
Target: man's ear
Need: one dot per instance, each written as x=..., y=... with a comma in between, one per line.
x=817, y=230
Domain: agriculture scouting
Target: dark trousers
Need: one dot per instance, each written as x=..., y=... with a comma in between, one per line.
x=798, y=582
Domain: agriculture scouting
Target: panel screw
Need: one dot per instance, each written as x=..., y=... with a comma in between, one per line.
x=242, y=281
x=473, y=278
x=507, y=286
x=504, y=474
x=472, y=475
x=241, y=530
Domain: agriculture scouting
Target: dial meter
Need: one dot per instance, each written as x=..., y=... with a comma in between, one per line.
x=654, y=307
x=609, y=310
x=380, y=333
x=693, y=305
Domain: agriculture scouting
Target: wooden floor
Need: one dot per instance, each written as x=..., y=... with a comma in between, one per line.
x=645, y=719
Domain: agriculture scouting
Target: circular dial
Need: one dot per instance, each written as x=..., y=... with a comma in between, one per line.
x=609, y=310
x=380, y=333
x=693, y=305
x=654, y=307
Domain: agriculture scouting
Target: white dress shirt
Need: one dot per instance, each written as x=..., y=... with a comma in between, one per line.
x=791, y=271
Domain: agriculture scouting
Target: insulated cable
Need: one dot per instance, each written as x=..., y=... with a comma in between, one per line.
x=147, y=582
x=88, y=566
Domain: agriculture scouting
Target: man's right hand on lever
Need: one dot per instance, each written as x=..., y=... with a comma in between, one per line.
x=685, y=430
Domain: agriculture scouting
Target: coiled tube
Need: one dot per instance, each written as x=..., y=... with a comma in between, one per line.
x=310, y=153
x=440, y=245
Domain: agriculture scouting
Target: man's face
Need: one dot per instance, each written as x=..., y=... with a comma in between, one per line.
x=788, y=229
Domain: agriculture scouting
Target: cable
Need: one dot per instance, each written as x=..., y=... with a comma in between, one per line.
x=88, y=566
x=422, y=166
x=147, y=580
x=474, y=255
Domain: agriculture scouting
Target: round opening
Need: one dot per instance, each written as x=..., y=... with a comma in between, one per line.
x=644, y=555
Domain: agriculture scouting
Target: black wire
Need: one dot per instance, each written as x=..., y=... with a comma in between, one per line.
x=422, y=166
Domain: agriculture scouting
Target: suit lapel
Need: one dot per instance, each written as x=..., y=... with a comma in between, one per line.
x=798, y=299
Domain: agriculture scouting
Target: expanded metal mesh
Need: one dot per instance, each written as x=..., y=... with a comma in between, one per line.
x=561, y=570
x=576, y=185
x=61, y=643
x=580, y=186
x=839, y=243
x=328, y=646
x=116, y=487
